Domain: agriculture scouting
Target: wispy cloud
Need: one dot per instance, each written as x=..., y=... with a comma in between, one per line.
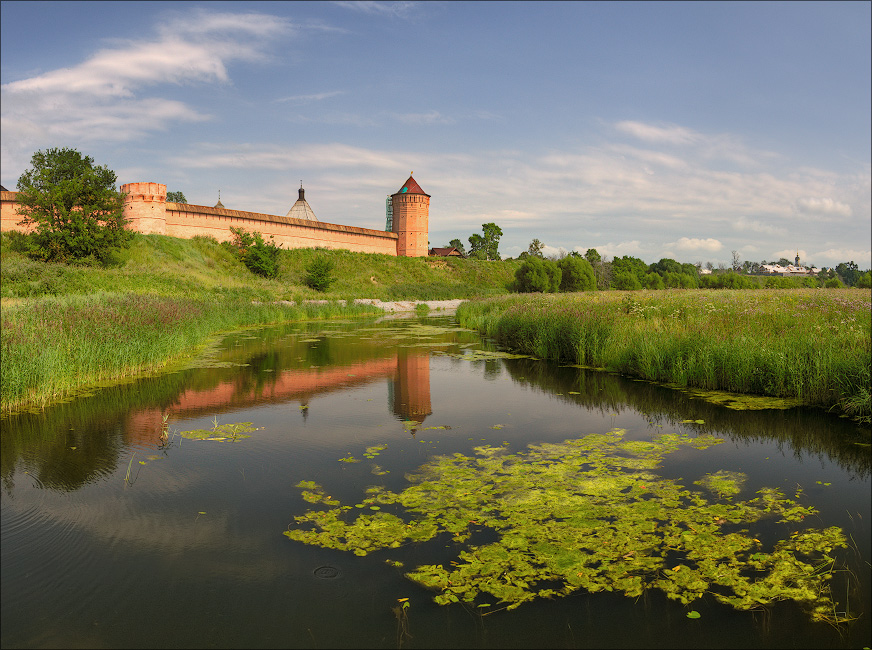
x=299, y=100
x=102, y=98
x=398, y=9
x=823, y=206
x=430, y=117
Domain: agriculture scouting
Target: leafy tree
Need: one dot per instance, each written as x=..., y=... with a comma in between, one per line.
x=576, y=274
x=864, y=281
x=655, y=281
x=625, y=280
x=259, y=256
x=848, y=272
x=486, y=247
x=319, y=274
x=73, y=205
x=456, y=243
x=632, y=266
x=176, y=197
x=665, y=265
x=535, y=248
x=537, y=274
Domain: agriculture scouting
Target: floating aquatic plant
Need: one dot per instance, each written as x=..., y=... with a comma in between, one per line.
x=221, y=432
x=586, y=514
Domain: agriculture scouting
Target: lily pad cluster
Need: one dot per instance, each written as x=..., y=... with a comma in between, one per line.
x=586, y=514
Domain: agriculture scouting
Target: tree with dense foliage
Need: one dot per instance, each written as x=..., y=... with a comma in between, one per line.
x=486, y=246
x=259, y=256
x=73, y=206
x=625, y=280
x=537, y=274
x=176, y=197
x=319, y=274
x=848, y=272
x=576, y=274
x=623, y=268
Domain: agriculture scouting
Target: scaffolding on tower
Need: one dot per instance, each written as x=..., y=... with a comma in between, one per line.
x=389, y=215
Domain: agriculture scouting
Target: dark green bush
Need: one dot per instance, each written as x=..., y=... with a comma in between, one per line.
x=259, y=256
x=537, y=275
x=576, y=274
x=319, y=274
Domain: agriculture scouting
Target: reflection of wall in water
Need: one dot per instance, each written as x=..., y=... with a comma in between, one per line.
x=408, y=377
x=409, y=390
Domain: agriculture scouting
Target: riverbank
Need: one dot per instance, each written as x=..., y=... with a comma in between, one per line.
x=807, y=346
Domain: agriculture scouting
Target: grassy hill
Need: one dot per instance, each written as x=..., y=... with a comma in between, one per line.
x=162, y=265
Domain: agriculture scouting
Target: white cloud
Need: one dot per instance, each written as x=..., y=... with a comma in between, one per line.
x=671, y=134
x=702, y=145
x=378, y=8
x=743, y=224
x=835, y=256
x=101, y=99
x=823, y=206
x=308, y=99
x=708, y=245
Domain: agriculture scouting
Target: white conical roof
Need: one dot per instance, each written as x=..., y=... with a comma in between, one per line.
x=301, y=209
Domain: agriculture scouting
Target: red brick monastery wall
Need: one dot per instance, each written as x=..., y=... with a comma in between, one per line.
x=148, y=212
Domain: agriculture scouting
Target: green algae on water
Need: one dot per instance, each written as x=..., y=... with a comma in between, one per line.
x=587, y=514
x=221, y=432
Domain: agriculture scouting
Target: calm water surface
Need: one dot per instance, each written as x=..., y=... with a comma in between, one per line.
x=112, y=537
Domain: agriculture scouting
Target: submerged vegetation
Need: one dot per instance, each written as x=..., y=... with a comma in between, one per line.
x=588, y=514
x=807, y=345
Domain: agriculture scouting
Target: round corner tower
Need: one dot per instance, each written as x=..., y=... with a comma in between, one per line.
x=145, y=207
x=411, y=215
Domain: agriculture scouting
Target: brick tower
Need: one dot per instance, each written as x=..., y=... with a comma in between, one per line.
x=411, y=214
x=145, y=207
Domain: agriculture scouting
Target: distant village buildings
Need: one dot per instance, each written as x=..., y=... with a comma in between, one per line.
x=791, y=269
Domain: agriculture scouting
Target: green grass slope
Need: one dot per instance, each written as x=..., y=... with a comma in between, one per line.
x=162, y=265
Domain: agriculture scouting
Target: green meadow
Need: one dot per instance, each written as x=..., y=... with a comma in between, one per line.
x=68, y=327
x=795, y=346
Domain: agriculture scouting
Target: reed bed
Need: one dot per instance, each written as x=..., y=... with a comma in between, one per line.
x=811, y=345
x=55, y=346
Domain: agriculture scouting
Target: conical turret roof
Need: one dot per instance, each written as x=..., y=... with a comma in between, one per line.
x=301, y=209
x=411, y=187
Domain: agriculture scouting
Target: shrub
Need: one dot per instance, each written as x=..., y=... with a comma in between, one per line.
x=537, y=275
x=576, y=274
x=319, y=274
x=625, y=280
x=259, y=256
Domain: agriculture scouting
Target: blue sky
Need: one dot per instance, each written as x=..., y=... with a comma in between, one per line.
x=683, y=130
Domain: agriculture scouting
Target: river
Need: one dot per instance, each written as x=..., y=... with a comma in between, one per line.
x=153, y=514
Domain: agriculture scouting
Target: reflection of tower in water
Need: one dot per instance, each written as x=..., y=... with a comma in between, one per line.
x=409, y=390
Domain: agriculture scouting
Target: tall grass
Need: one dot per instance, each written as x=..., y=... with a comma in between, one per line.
x=812, y=345
x=53, y=346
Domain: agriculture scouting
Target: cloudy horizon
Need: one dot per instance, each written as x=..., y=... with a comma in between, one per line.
x=680, y=130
